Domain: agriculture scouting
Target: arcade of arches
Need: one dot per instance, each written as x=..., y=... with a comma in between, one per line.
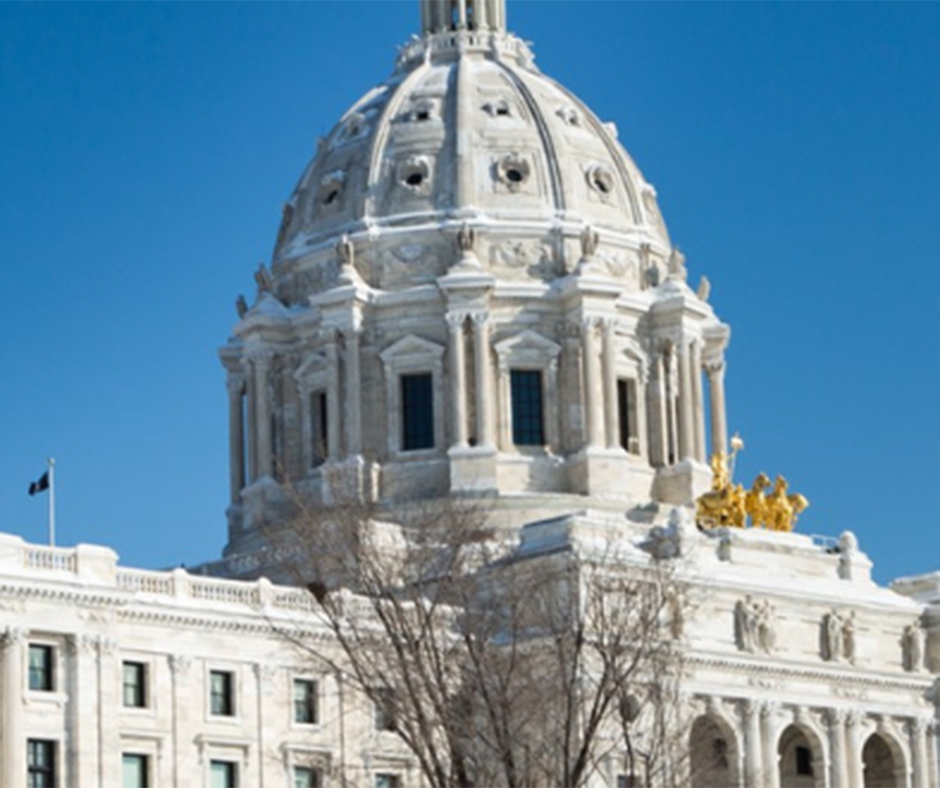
x=778, y=748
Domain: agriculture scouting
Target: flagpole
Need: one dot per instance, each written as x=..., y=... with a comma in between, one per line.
x=51, y=502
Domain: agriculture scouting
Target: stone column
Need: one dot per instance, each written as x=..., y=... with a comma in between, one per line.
x=609, y=361
x=698, y=402
x=84, y=749
x=921, y=766
x=236, y=438
x=14, y=682
x=458, y=383
x=483, y=388
x=590, y=368
x=686, y=418
x=771, y=758
x=836, y=720
x=333, y=399
x=251, y=418
x=716, y=391
x=659, y=451
x=262, y=423
x=753, y=769
x=352, y=393
x=853, y=749
x=109, y=703
x=185, y=770
x=672, y=408
x=933, y=755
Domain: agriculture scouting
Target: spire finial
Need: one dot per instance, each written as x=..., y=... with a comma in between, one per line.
x=439, y=16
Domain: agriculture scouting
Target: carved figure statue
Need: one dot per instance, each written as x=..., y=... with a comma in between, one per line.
x=848, y=638
x=676, y=265
x=912, y=644
x=727, y=504
x=756, y=501
x=346, y=251
x=723, y=505
x=832, y=637
x=466, y=238
x=704, y=289
x=241, y=306
x=263, y=279
x=590, y=240
x=754, y=625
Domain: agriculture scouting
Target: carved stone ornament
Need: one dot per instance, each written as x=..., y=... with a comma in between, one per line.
x=180, y=664
x=754, y=626
x=263, y=279
x=590, y=240
x=466, y=238
x=241, y=306
x=838, y=637
x=912, y=648
x=346, y=251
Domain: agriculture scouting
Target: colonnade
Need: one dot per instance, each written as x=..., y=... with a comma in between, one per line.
x=441, y=15
x=679, y=405
x=835, y=736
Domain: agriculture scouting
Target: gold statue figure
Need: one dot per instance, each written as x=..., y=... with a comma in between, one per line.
x=728, y=504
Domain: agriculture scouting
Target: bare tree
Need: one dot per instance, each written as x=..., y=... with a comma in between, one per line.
x=496, y=665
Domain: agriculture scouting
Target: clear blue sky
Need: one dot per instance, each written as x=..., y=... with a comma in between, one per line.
x=146, y=149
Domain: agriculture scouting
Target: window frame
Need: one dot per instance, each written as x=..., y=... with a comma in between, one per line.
x=143, y=688
x=384, y=709
x=417, y=415
x=312, y=700
x=146, y=762
x=521, y=389
x=51, y=770
x=531, y=352
x=230, y=703
x=49, y=669
x=412, y=355
x=232, y=768
x=315, y=772
x=318, y=375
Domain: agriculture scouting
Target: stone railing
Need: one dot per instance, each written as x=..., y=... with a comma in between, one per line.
x=95, y=566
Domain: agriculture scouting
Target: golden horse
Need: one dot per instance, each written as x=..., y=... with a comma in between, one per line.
x=755, y=502
x=783, y=509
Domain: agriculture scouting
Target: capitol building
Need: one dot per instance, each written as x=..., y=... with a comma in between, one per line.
x=473, y=308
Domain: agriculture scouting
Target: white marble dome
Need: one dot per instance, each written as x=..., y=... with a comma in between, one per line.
x=472, y=294
x=466, y=129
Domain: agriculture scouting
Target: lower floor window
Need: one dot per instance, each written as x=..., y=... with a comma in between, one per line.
x=388, y=781
x=135, y=770
x=223, y=774
x=306, y=777
x=528, y=428
x=40, y=761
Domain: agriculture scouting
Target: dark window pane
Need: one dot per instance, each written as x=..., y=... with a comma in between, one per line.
x=417, y=412
x=306, y=777
x=319, y=424
x=626, y=412
x=221, y=689
x=40, y=764
x=135, y=677
x=305, y=701
x=527, y=422
x=41, y=668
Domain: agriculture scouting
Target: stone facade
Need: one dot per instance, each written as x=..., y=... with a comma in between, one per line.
x=473, y=296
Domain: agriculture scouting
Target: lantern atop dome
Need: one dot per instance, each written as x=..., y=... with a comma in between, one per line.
x=438, y=16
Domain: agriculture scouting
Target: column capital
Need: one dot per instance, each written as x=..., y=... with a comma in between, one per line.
x=480, y=318
x=260, y=357
x=12, y=636
x=235, y=384
x=456, y=320
x=714, y=366
x=179, y=664
x=836, y=718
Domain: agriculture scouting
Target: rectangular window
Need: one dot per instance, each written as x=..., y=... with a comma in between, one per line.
x=40, y=763
x=135, y=770
x=306, y=777
x=135, y=685
x=384, y=700
x=528, y=428
x=41, y=667
x=388, y=781
x=417, y=412
x=319, y=421
x=626, y=413
x=222, y=693
x=223, y=774
x=305, y=701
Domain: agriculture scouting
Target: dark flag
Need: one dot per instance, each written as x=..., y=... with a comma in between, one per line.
x=40, y=485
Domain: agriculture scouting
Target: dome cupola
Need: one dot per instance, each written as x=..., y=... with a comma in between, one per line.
x=472, y=293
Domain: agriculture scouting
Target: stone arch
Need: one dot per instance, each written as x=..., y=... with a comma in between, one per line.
x=883, y=762
x=801, y=757
x=714, y=753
